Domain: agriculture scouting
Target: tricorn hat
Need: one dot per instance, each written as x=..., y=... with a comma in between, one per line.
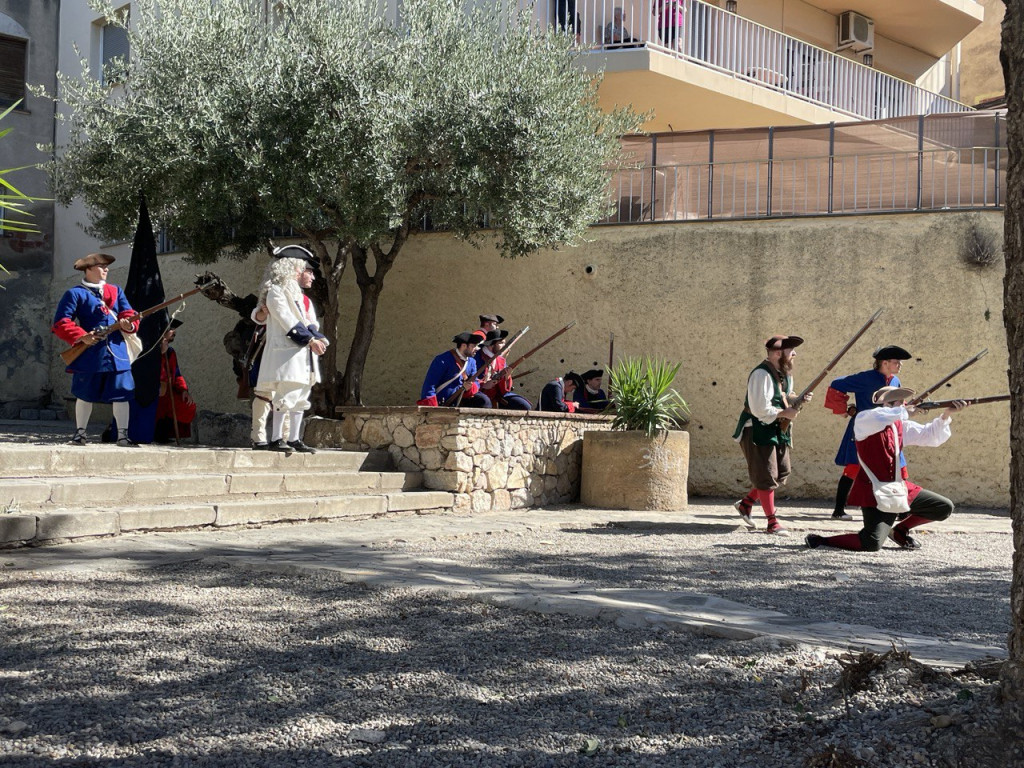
x=297, y=252
x=783, y=342
x=493, y=336
x=575, y=378
x=175, y=323
x=892, y=352
x=94, y=260
x=887, y=395
x=467, y=337
x=491, y=319
x=592, y=374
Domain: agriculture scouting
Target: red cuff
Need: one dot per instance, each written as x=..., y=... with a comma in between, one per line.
x=837, y=401
x=68, y=330
x=428, y=401
x=132, y=315
x=473, y=389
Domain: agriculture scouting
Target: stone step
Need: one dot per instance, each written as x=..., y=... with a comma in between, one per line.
x=109, y=460
x=31, y=494
x=20, y=529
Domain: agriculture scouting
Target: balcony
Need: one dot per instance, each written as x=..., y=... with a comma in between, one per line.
x=705, y=67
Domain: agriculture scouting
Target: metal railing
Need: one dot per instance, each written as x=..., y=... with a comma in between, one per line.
x=726, y=42
x=939, y=179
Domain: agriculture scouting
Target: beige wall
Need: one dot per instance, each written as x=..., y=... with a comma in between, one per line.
x=706, y=294
x=981, y=76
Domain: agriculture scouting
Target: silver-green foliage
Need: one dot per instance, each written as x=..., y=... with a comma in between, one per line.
x=643, y=395
x=332, y=120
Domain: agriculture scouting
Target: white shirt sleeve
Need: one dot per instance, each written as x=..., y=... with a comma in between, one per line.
x=930, y=435
x=760, y=391
x=868, y=423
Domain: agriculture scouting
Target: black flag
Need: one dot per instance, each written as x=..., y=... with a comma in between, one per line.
x=145, y=289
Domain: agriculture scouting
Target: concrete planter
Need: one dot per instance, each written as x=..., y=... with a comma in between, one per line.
x=629, y=470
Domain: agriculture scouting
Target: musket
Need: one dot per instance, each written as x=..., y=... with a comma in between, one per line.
x=784, y=424
x=512, y=366
x=524, y=374
x=611, y=351
x=931, y=404
x=456, y=398
x=920, y=397
x=75, y=351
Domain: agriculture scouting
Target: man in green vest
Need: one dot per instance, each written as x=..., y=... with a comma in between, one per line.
x=766, y=442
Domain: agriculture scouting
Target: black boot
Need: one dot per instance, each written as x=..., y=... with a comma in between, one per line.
x=842, y=492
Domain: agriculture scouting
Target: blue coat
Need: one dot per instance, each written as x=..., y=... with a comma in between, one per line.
x=861, y=385
x=442, y=368
x=82, y=307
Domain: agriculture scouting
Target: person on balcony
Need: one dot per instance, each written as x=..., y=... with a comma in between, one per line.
x=568, y=19
x=671, y=20
x=615, y=33
x=888, y=361
x=764, y=440
x=880, y=434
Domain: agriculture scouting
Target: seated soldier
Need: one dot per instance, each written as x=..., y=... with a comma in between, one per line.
x=590, y=397
x=175, y=409
x=451, y=372
x=496, y=383
x=556, y=395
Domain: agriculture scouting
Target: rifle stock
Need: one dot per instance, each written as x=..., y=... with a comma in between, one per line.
x=75, y=351
x=929, y=405
x=920, y=397
x=786, y=423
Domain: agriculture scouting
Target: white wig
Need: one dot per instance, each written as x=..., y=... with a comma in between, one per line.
x=284, y=273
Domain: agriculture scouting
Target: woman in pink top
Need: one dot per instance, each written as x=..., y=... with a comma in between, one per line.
x=671, y=17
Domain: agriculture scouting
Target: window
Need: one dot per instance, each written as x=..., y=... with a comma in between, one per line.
x=12, y=70
x=114, y=61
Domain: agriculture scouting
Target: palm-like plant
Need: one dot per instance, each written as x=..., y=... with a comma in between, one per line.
x=644, y=398
x=13, y=200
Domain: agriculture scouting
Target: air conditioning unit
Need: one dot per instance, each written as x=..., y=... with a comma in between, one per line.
x=856, y=32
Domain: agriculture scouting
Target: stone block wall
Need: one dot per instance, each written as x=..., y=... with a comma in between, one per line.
x=489, y=459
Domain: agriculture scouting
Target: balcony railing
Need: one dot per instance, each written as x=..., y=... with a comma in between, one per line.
x=717, y=39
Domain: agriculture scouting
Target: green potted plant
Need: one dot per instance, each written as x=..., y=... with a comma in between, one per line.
x=643, y=462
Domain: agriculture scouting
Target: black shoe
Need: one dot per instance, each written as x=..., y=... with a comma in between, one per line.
x=301, y=447
x=813, y=540
x=841, y=516
x=280, y=446
x=79, y=438
x=903, y=539
x=124, y=442
x=261, y=446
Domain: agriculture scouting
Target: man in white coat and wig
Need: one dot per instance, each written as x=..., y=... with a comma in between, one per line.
x=290, y=365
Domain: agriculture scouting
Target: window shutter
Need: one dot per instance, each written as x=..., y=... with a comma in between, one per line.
x=12, y=70
x=115, y=45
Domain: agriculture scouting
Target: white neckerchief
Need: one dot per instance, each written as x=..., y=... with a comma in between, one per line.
x=459, y=354
x=592, y=391
x=95, y=286
x=488, y=352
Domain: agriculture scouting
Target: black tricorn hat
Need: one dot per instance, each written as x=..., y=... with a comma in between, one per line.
x=491, y=318
x=892, y=352
x=467, y=337
x=592, y=374
x=493, y=336
x=783, y=342
x=575, y=378
x=297, y=252
x=175, y=323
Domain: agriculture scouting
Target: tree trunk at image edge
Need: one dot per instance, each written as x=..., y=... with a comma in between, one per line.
x=366, y=320
x=1012, y=58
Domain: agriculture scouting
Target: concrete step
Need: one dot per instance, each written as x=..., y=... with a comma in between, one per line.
x=108, y=460
x=32, y=494
x=62, y=524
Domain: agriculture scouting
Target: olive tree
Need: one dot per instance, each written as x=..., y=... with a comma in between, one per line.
x=349, y=129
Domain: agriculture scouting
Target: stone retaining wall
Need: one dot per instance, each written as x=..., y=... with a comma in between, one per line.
x=489, y=459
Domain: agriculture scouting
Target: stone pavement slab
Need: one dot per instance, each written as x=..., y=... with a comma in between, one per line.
x=348, y=549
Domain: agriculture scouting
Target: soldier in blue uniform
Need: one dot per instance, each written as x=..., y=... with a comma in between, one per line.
x=590, y=397
x=449, y=371
x=103, y=373
x=888, y=362
x=553, y=396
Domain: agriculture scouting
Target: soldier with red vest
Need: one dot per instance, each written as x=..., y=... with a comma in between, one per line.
x=450, y=371
x=880, y=434
x=494, y=384
x=103, y=373
x=765, y=444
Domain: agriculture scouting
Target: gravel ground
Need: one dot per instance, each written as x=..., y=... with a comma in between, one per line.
x=214, y=665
